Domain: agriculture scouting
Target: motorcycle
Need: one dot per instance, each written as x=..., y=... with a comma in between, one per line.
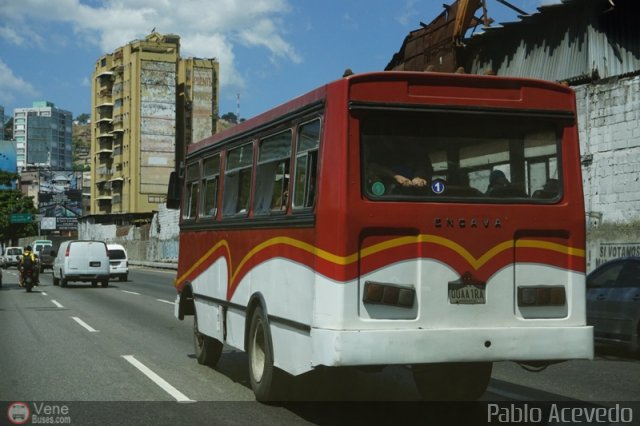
x=28, y=279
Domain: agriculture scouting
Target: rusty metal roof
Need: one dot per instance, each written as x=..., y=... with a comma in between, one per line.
x=571, y=40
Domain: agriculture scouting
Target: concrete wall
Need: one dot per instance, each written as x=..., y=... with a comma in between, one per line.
x=610, y=145
x=152, y=243
x=609, y=117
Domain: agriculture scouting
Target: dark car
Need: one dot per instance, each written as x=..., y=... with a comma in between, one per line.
x=613, y=302
x=47, y=255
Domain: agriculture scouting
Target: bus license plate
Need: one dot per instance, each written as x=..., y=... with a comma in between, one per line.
x=460, y=294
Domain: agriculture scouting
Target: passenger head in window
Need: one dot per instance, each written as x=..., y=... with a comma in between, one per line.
x=497, y=181
x=551, y=189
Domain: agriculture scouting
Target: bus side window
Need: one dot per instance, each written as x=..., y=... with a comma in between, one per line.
x=193, y=190
x=210, y=179
x=304, y=185
x=272, y=174
x=237, y=180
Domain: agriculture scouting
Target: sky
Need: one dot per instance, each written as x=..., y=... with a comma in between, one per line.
x=269, y=51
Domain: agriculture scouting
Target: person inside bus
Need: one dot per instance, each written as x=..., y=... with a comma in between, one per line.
x=499, y=186
x=402, y=167
x=551, y=189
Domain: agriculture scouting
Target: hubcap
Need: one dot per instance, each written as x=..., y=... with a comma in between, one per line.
x=257, y=352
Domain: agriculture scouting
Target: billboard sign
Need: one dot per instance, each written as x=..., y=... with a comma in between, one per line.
x=60, y=200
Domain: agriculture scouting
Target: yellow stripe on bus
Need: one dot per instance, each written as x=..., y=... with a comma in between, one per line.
x=383, y=246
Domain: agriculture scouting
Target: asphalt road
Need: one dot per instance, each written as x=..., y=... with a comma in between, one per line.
x=119, y=351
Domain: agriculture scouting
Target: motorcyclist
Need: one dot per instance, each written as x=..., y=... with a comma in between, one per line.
x=28, y=260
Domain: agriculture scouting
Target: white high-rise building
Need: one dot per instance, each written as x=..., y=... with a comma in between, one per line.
x=43, y=135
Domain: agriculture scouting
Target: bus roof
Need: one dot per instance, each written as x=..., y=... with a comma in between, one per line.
x=448, y=80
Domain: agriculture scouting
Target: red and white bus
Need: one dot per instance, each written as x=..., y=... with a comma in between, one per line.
x=423, y=219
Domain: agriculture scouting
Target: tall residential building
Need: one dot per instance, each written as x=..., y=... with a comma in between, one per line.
x=143, y=99
x=43, y=137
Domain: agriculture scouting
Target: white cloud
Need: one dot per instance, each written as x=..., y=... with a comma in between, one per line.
x=11, y=85
x=208, y=28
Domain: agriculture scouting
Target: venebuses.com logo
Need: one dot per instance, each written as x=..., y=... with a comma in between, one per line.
x=20, y=413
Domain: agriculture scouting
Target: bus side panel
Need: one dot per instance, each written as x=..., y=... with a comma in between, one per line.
x=211, y=284
x=286, y=288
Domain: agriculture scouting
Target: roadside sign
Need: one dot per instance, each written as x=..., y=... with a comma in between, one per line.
x=21, y=218
x=48, y=223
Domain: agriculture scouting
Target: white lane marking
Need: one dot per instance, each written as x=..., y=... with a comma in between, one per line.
x=179, y=396
x=43, y=293
x=164, y=301
x=55, y=302
x=130, y=292
x=85, y=325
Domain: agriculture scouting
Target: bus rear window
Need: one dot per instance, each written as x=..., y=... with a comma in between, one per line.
x=460, y=157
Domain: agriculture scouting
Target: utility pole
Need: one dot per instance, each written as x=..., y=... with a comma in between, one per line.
x=238, y=107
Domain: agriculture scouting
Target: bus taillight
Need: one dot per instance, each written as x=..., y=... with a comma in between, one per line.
x=388, y=294
x=541, y=296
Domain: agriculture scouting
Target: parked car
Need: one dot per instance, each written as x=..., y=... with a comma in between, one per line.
x=81, y=260
x=11, y=257
x=613, y=302
x=47, y=256
x=118, y=262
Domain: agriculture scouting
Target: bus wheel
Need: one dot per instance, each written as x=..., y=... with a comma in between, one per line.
x=262, y=373
x=465, y=381
x=208, y=350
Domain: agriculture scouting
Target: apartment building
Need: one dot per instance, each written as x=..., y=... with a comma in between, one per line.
x=43, y=135
x=144, y=98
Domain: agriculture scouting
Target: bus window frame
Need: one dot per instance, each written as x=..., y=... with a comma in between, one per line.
x=561, y=121
x=295, y=157
x=204, y=178
x=190, y=182
x=284, y=204
x=244, y=212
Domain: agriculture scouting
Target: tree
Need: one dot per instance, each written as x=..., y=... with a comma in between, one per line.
x=7, y=179
x=230, y=117
x=83, y=118
x=14, y=201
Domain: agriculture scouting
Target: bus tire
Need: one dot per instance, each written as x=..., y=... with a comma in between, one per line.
x=207, y=349
x=465, y=381
x=262, y=373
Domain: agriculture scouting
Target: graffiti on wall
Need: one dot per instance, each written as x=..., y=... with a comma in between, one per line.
x=609, y=251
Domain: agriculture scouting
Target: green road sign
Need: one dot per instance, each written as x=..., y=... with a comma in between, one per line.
x=21, y=218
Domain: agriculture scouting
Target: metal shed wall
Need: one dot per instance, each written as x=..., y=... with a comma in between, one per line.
x=574, y=40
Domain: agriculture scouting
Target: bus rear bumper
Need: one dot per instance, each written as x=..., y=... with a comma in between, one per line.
x=385, y=347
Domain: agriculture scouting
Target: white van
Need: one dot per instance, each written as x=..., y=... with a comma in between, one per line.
x=81, y=260
x=38, y=245
x=11, y=256
x=119, y=262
